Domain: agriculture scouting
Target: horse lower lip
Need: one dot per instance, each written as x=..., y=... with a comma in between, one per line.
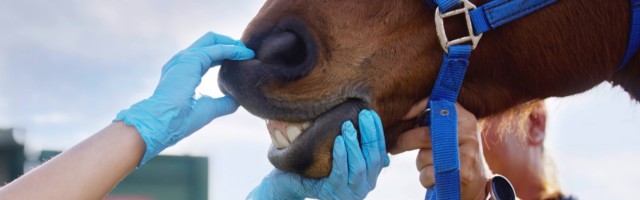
x=310, y=154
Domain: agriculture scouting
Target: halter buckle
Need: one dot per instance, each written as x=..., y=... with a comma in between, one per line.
x=442, y=35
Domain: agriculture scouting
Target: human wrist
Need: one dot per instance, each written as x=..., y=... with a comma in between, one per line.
x=153, y=122
x=129, y=138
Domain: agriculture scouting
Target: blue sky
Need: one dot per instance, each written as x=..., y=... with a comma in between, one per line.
x=67, y=67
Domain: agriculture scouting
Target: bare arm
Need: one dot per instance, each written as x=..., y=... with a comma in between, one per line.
x=92, y=168
x=89, y=170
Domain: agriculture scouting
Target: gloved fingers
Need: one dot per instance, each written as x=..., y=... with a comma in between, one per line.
x=208, y=39
x=178, y=83
x=334, y=195
x=209, y=56
x=339, y=170
x=387, y=160
x=290, y=185
x=370, y=147
x=380, y=135
x=355, y=159
x=280, y=185
x=211, y=38
x=221, y=106
x=181, y=76
x=207, y=109
x=217, y=53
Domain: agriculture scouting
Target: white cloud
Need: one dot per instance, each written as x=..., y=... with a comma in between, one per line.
x=615, y=175
x=209, y=84
x=240, y=127
x=593, y=139
x=400, y=180
x=53, y=118
x=3, y=101
x=237, y=146
x=4, y=113
x=102, y=30
x=4, y=117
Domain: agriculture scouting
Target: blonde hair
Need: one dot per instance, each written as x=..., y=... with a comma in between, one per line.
x=516, y=121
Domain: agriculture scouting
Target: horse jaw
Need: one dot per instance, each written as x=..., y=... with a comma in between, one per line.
x=386, y=55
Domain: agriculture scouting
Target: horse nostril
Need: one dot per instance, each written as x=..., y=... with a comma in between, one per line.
x=283, y=48
x=286, y=52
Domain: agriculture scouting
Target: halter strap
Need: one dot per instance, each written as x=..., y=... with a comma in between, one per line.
x=444, y=123
x=634, y=34
x=499, y=12
x=443, y=117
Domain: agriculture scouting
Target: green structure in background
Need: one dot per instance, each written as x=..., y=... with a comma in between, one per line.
x=11, y=156
x=164, y=177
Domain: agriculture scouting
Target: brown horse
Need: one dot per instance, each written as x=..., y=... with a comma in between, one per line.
x=319, y=62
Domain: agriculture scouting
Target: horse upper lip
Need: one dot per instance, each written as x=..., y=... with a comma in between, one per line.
x=254, y=98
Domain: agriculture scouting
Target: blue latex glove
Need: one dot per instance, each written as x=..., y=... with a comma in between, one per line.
x=354, y=173
x=172, y=113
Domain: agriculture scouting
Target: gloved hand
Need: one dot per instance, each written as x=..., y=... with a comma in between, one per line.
x=172, y=113
x=354, y=173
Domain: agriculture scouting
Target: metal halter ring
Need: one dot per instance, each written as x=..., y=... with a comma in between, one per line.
x=442, y=35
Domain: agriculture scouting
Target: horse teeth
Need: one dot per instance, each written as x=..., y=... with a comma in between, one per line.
x=293, y=131
x=273, y=139
x=284, y=133
x=280, y=140
x=306, y=125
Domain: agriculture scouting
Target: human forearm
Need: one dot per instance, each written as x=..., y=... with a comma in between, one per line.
x=92, y=168
x=89, y=170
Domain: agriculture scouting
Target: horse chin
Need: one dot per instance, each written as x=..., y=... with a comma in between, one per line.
x=306, y=147
x=302, y=130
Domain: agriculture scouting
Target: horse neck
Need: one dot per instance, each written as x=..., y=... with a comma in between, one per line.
x=560, y=50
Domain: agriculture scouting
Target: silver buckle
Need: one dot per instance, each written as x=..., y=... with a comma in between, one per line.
x=442, y=35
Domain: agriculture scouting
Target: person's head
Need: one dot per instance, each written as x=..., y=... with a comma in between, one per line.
x=513, y=145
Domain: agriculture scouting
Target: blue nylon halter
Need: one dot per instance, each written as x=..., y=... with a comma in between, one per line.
x=443, y=116
x=634, y=34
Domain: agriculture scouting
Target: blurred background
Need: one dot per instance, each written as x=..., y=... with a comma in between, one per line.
x=68, y=66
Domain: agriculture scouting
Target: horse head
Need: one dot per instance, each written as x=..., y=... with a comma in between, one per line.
x=318, y=63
